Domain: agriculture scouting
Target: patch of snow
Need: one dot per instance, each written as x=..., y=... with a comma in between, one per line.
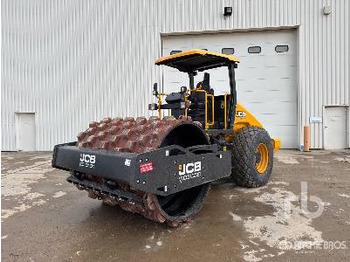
x=287, y=222
x=280, y=253
x=250, y=190
x=243, y=245
x=17, y=182
x=59, y=194
x=286, y=159
x=154, y=242
x=31, y=196
x=345, y=159
x=286, y=226
x=235, y=217
x=344, y=195
x=250, y=256
x=279, y=183
x=6, y=213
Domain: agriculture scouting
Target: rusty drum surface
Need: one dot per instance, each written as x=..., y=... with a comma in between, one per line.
x=137, y=135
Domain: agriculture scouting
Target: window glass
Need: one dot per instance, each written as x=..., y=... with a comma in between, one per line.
x=254, y=49
x=281, y=48
x=228, y=51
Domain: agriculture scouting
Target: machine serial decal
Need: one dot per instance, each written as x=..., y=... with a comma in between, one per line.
x=190, y=171
x=87, y=160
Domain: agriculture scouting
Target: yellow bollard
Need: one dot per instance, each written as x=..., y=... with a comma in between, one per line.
x=306, y=138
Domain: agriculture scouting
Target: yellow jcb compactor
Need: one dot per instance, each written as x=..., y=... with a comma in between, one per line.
x=162, y=167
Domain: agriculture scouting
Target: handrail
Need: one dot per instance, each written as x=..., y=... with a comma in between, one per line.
x=225, y=110
x=206, y=124
x=159, y=97
x=212, y=110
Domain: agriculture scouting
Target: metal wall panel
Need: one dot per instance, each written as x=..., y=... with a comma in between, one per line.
x=74, y=61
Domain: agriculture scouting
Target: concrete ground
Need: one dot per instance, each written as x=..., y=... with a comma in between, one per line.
x=46, y=219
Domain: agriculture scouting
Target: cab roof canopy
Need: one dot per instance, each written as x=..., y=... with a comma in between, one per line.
x=196, y=60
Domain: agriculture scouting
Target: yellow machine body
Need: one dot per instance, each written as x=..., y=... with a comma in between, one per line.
x=201, y=52
x=245, y=118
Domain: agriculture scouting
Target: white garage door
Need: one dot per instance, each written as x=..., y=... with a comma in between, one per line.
x=266, y=76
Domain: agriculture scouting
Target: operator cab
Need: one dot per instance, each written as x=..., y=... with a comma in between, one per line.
x=199, y=102
x=196, y=109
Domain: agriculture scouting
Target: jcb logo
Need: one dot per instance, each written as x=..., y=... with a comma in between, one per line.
x=189, y=168
x=87, y=160
x=190, y=171
x=240, y=114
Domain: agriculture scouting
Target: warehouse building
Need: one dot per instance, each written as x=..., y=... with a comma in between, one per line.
x=67, y=63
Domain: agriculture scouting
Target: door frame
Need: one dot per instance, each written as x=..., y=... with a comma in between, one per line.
x=347, y=117
x=228, y=31
x=17, y=113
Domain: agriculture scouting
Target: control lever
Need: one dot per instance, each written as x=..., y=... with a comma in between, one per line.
x=155, y=89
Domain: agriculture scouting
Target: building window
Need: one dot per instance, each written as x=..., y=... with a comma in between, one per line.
x=281, y=48
x=254, y=49
x=228, y=51
x=173, y=52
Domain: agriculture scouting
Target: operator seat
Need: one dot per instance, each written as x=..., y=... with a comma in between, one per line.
x=197, y=109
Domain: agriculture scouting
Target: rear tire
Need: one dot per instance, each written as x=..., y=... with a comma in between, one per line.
x=252, y=157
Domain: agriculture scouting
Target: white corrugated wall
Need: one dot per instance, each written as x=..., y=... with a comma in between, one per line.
x=74, y=61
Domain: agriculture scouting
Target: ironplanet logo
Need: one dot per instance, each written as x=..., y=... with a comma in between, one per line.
x=190, y=170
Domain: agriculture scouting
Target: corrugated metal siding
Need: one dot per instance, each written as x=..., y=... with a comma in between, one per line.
x=74, y=61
